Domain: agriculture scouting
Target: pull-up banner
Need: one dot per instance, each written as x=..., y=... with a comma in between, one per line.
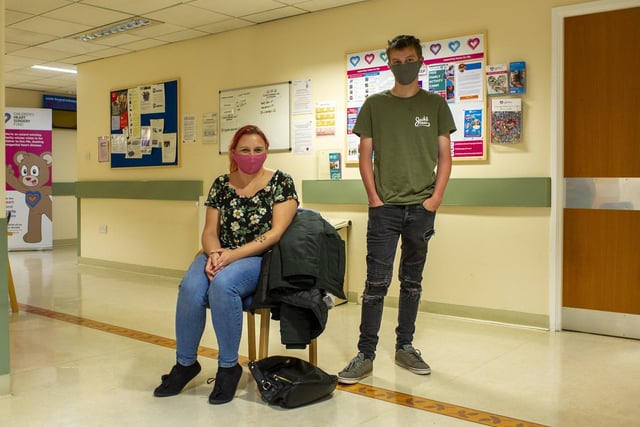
x=28, y=139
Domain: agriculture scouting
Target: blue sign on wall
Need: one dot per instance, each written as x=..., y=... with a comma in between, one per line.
x=57, y=102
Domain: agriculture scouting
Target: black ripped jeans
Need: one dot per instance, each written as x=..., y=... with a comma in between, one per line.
x=414, y=225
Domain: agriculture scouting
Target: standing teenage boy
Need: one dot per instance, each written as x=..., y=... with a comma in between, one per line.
x=405, y=162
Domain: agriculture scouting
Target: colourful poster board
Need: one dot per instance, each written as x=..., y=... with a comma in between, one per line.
x=28, y=141
x=144, y=125
x=453, y=68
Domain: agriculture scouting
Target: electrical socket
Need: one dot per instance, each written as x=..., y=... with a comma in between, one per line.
x=102, y=229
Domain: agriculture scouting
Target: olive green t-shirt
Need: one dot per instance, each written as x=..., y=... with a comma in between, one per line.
x=405, y=143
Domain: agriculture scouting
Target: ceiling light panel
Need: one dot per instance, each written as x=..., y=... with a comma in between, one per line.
x=113, y=29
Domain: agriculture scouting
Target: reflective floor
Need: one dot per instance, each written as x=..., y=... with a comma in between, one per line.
x=90, y=344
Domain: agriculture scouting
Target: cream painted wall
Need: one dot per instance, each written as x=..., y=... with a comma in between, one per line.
x=153, y=233
x=65, y=212
x=481, y=257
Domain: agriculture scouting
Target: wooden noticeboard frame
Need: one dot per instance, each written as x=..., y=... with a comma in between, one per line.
x=144, y=130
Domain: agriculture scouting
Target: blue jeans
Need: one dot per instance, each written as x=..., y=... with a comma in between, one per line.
x=224, y=295
x=414, y=225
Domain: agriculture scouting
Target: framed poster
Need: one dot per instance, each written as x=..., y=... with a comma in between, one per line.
x=453, y=68
x=144, y=125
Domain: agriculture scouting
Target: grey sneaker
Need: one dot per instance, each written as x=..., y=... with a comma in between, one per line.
x=358, y=369
x=410, y=358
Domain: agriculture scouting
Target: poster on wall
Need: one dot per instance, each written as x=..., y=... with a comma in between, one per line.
x=28, y=137
x=454, y=68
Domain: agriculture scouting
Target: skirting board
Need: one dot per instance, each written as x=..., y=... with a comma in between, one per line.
x=601, y=322
x=5, y=385
x=529, y=320
x=134, y=268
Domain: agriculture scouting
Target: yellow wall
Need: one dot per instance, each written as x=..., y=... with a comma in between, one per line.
x=481, y=257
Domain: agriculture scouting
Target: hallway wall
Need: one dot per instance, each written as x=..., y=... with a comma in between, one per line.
x=492, y=259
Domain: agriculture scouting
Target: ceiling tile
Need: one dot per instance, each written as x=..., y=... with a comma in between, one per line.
x=143, y=44
x=106, y=53
x=135, y=7
x=50, y=26
x=186, y=16
x=40, y=31
x=272, y=15
x=19, y=60
x=75, y=47
x=157, y=30
x=34, y=7
x=14, y=35
x=33, y=86
x=81, y=58
x=315, y=5
x=41, y=54
x=12, y=16
x=12, y=47
x=237, y=8
x=87, y=15
x=181, y=35
x=228, y=25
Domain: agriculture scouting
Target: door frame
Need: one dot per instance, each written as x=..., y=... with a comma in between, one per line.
x=558, y=15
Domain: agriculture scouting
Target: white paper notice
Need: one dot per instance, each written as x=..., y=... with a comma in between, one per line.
x=118, y=143
x=302, y=97
x=133, y=149
x=152, y=99
x=303, y=136
x=209, y=128
x=103, y=148
x=157, y=129
x=189, y=129
x=145, y=139
x=169, y=148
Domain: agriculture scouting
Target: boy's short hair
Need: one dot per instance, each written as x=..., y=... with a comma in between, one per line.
x=403, y=41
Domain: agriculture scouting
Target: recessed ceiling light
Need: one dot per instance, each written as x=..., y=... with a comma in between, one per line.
x=60, y=70
x=109, y=30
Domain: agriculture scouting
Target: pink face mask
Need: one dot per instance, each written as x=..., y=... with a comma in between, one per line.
x=250, y=163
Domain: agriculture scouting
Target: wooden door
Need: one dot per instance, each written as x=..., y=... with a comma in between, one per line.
x=601, y=219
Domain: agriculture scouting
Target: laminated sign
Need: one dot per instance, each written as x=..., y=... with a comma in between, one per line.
x=28, y=177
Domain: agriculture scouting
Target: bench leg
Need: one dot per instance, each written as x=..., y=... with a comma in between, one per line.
x=265, y=317
x=251, y=332
x=313, y=352
x=12, y=290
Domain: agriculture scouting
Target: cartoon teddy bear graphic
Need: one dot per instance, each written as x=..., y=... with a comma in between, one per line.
x=33, y=174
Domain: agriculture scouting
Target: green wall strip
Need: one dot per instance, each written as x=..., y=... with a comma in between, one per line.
x=147, y=190
x=501, y=192
x=64, y=188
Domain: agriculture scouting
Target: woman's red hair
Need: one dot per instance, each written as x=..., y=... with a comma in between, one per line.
x=245, y=130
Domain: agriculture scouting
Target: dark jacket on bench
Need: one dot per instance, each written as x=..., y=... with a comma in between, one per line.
x=297, y=274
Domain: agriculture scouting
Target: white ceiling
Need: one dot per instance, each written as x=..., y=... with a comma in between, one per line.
x=39, y=32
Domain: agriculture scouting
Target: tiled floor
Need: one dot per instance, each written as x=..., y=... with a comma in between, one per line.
x=89, y=346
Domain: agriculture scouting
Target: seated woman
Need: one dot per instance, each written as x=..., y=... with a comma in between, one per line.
x=248, y=210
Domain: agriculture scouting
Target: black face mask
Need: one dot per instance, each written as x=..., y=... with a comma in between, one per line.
x=406, y=73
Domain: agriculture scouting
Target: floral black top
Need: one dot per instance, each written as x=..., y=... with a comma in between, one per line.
x=243, y=219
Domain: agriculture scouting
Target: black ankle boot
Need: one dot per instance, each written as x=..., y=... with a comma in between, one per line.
x=226, y=384
x=174, y=381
